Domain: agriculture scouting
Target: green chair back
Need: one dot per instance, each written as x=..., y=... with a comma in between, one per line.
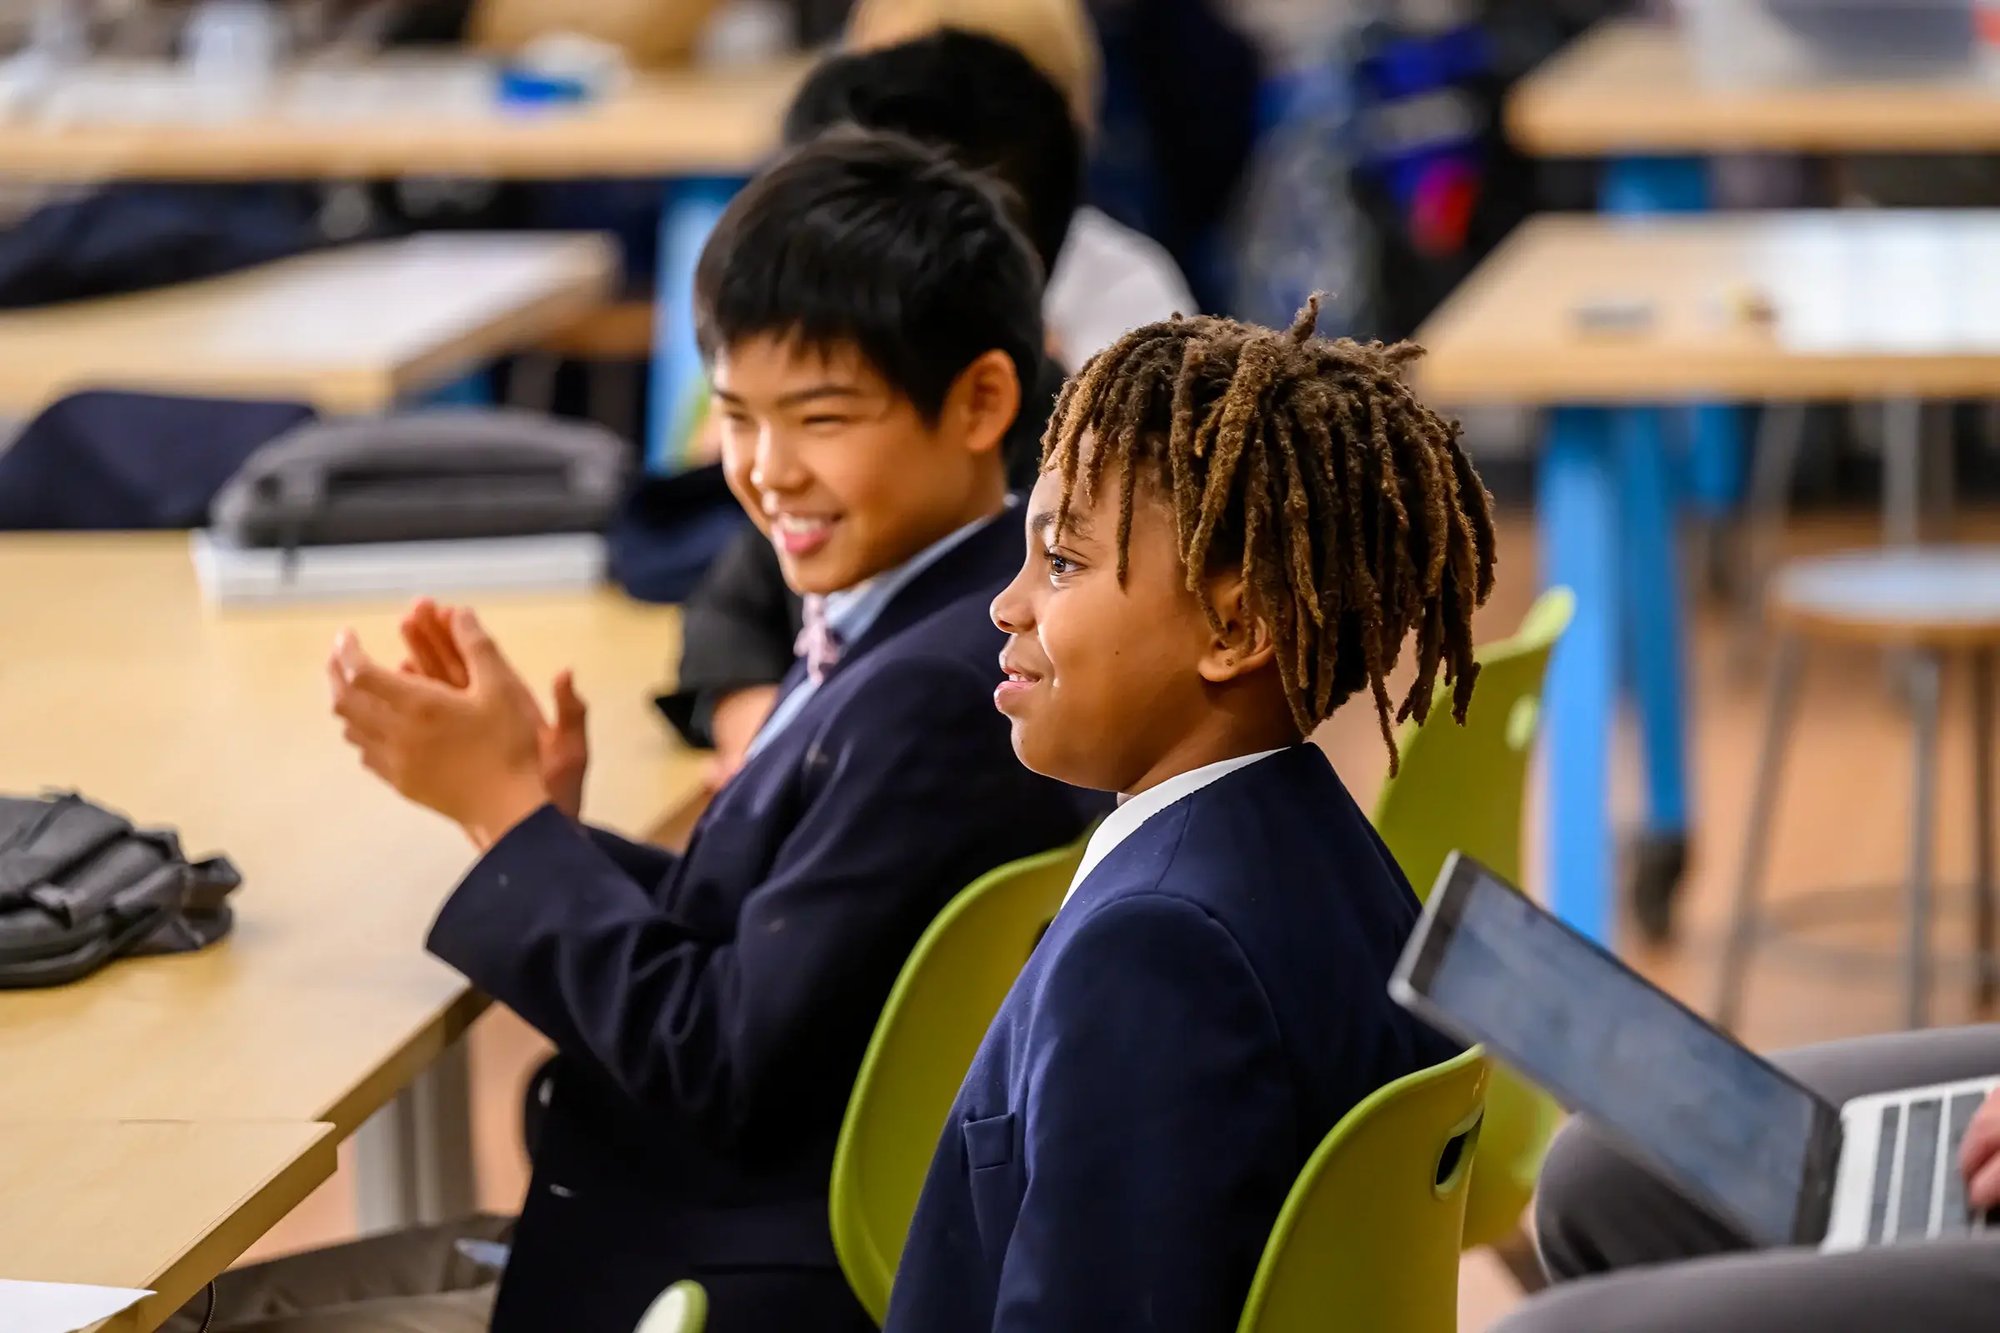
x=1465, y=788
x=681, y=1308
x=1369, y=1235
x=947, y=994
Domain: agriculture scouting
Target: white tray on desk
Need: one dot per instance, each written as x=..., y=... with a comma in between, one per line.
x=558, y=562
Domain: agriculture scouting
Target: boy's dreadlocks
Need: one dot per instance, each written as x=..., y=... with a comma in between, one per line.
x=1353, y=511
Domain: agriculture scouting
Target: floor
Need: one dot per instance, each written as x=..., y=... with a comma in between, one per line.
x=1843, y=821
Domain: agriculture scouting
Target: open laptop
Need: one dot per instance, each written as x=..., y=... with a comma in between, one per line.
x=1762, y=1151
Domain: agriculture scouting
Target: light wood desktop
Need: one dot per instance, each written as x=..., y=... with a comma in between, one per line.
x=692, y=122
x=322, y=1006
x=1629, y=87
x=350, y=330
x=161, y=1206
x=1608, y=319
x=117, y=681
x=1773, y=306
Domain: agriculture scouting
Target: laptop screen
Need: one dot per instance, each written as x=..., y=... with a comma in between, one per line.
x=1714, y=1118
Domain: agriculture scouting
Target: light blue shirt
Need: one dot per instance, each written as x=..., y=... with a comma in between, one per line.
x=851, y=611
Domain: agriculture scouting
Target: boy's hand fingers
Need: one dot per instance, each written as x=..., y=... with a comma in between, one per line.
x=570, y=708
x=444, y=649
x=483, y=661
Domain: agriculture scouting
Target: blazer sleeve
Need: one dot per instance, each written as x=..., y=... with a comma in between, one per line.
x=737, y=631
x=1161, y=1135
x=643, y=861
x=759, y=1027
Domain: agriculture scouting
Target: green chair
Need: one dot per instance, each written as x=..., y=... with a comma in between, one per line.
x=1369, y=1235
x=1465, y=788
x=931, y=1027
x=681, y=1308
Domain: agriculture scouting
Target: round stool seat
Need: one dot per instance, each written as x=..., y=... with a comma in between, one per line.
x=1941, y=596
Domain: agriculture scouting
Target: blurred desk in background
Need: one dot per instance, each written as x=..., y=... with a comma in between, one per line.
x=701, y=131
x=1629, y=87
x=156, y=1205
x=1608, y=320
x=118, y=682
x=398, y=118
x=350, y=330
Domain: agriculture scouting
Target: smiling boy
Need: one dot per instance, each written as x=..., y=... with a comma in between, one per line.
x=1235, y=530
x=869, y=313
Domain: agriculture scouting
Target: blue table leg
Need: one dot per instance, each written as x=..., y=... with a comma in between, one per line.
x=1716, y=433
x=1649, y=584
x=1578, y=518
x=678, y=383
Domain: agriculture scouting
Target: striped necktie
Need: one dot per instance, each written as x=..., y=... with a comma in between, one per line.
x=817, y=643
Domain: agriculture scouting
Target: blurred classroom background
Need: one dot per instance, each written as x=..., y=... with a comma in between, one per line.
x=1712, y=284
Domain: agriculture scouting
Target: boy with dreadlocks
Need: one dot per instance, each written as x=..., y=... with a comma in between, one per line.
x=1235, y=530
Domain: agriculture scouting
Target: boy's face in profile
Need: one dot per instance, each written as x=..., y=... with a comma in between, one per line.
x=839, y=469
x=1104, y=682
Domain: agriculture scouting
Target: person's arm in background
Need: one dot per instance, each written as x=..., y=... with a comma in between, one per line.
x=737, y=635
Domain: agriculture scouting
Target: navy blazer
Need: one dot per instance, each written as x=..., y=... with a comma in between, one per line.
x=1205, y=1007
x=710, y=1011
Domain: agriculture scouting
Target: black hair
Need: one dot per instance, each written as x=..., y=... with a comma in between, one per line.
x=979, y=100
x=874, y=241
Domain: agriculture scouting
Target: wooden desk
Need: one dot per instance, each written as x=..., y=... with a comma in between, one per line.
x=694, y=122
x=157, y=1205
x=116, y=680
x=1628, y=87
x=1882, y=305
x=351, y=330
x=1867, y=305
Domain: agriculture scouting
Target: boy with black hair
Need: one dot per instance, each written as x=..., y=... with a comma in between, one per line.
x=869, y=313
x=986, y=105
x=1235, y=531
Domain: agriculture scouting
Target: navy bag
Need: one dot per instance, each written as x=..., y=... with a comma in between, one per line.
x=111, y=460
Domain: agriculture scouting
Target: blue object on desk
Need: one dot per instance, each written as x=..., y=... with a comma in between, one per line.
x=520, y=85
x=679, y=385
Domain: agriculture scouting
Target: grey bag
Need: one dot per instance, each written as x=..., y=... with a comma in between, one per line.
x=79, y=886
x=450, y=473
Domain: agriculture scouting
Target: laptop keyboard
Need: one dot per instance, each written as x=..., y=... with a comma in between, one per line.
x=1919, y=1192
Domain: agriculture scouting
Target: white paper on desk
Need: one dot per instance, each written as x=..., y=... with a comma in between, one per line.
x=60, y=1307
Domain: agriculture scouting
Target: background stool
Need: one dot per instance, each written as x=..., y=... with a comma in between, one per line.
x=1938, y=603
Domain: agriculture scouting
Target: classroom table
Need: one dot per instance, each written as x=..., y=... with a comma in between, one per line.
x=701, y=130
x=352, y=330
x=1628, y=92
x=156, y=1205
x=116, y=680
x=1627, y=88
x=1890, y=306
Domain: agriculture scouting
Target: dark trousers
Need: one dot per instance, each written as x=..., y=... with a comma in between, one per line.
x=1632, y=1254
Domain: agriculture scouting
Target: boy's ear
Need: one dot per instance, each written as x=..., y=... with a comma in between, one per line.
x=983, y=402
x=1245, y=645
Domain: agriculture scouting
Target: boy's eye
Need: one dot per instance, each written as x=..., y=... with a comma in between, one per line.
x=1059, y=564
x=825, y=422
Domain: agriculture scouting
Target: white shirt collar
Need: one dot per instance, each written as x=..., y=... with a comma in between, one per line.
x=1133, y=811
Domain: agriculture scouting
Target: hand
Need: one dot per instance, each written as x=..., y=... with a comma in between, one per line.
x=1979, y=1155
x=563, y=745
x=738, y=715
x=468, y=753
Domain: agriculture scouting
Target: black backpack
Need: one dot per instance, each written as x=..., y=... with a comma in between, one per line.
x=79, y=886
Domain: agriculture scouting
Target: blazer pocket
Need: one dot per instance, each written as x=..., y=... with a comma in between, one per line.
x=993, y=1171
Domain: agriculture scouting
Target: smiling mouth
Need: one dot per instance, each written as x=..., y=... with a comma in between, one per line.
x=799, y=534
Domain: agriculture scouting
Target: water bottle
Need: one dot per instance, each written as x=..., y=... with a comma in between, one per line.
x=235, y=43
